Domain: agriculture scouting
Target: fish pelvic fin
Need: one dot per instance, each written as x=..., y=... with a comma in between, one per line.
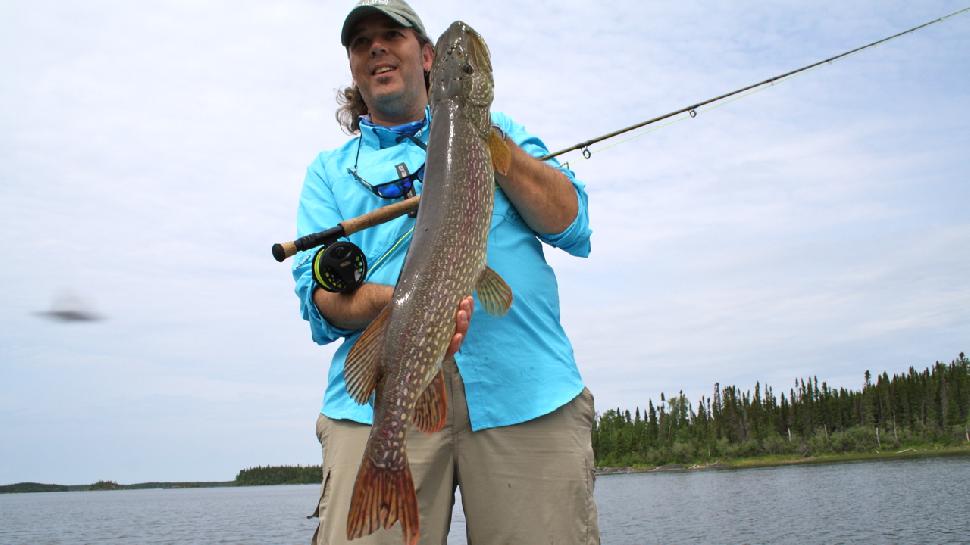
x=381, y=498
x=431, y=410
x=362, y=366
x=494, y=294
x=501, y=153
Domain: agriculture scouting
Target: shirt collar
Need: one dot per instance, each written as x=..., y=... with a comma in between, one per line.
x=379, y=136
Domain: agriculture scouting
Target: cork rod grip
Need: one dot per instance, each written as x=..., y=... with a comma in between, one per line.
x=283, y=250
x=381, y=215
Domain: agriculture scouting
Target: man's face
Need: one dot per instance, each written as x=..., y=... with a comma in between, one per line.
x=388, y=65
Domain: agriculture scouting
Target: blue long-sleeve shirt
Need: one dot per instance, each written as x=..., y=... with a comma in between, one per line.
x=516, y=367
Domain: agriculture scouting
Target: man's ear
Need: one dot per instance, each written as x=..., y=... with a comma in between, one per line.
x=427, y=56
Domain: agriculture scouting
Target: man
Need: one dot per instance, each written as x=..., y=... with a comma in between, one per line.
x=517, y=437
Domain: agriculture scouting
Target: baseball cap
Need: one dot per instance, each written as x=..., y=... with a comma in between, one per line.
x=398, y=10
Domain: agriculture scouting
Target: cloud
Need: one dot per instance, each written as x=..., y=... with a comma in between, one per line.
x=152, y=155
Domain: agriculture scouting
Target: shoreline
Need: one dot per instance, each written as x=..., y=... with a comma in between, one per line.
x=733, y=464
x=790, y=459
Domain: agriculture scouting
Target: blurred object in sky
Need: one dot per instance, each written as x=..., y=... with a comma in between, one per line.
x=68, y=307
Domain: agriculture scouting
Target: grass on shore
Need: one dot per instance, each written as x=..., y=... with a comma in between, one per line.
x=773, y=460
x=905, y=453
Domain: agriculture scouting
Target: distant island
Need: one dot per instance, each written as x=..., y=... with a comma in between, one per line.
x=107, y=485
x=254, y=476
x=917, y=414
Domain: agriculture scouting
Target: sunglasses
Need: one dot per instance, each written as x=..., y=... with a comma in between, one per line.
x=393, y=189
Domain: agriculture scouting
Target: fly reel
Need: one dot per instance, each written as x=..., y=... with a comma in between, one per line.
x=340, y=267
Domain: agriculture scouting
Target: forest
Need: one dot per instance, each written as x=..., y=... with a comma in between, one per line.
x=917, y=408
x=278, y=475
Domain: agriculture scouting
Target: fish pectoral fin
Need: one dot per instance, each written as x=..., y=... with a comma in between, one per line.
x=431, y=410
x=494, y=294
x=501, y=153
x=362, y=366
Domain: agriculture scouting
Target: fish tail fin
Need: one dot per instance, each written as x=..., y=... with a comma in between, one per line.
x=382, y=497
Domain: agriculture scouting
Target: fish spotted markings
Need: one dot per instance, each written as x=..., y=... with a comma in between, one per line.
x=399, y=355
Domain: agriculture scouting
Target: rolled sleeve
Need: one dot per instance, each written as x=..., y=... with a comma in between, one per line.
x=316, y=212
x=575, y=239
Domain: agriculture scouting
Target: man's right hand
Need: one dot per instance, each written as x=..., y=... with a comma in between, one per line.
x=353, y=310
x=358, y=309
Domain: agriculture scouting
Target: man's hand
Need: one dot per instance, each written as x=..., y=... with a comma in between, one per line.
x=462, y=318
x=356, y=310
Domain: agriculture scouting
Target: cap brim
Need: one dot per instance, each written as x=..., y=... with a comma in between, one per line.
x=359, y=13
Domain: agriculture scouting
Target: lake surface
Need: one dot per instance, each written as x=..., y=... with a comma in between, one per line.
x=899, y=502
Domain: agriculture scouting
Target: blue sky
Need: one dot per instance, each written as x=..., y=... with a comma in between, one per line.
x=152, y=154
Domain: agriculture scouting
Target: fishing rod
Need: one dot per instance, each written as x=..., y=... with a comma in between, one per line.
x=328, y=237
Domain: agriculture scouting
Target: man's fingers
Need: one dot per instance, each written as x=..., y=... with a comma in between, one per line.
x=462, y=319
x=464, y=315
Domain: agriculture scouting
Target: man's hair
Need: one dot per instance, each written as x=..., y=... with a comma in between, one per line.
x=350, y=103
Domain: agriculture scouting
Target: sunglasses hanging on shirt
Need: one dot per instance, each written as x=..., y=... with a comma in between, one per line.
x=403, y=186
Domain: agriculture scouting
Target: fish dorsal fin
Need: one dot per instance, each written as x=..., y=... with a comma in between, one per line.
x=362, y=366
x=501, y=153
x=431, y=410
x=494, y=294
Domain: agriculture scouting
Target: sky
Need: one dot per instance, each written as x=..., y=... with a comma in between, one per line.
x=151, y=153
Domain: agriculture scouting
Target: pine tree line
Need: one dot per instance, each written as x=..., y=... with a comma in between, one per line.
x=278, y=475
x=929, y=406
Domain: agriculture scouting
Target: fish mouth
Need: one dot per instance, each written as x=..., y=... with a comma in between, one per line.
x=463, y=41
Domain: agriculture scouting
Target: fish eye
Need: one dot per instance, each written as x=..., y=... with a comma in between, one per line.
x=467, y=68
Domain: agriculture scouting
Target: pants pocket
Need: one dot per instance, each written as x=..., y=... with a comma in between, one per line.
x=321, y=509
x=587, y=408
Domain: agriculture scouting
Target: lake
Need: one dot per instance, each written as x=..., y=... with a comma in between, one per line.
x=899, y=502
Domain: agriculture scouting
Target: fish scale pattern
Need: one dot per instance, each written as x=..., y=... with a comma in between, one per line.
x=447, y=253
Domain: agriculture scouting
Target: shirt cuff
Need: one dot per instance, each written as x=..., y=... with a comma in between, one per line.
x=574, y=240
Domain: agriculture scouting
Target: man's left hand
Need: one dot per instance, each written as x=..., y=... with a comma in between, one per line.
x=462, y=318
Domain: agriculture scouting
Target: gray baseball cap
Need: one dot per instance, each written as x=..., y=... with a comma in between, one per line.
x=398, y=10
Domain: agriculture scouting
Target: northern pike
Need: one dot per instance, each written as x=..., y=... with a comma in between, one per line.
x=398, y=357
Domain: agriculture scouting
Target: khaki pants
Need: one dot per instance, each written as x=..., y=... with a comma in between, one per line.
x=525, y=484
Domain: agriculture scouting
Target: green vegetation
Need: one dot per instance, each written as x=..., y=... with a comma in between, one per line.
x=279, y=475
x=32, y=487
x=922, y=411
x=104, y=485
x=247, y=477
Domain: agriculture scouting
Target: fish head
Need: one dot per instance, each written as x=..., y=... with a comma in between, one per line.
x=462, y=69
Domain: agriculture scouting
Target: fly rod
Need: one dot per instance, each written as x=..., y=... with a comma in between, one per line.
x=283, y=250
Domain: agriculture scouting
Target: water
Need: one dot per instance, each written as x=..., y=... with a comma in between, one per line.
x=899, y=502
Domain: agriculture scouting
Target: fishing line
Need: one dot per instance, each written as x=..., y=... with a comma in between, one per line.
x=678, y=119
x=330, y=267
x=738, y=94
